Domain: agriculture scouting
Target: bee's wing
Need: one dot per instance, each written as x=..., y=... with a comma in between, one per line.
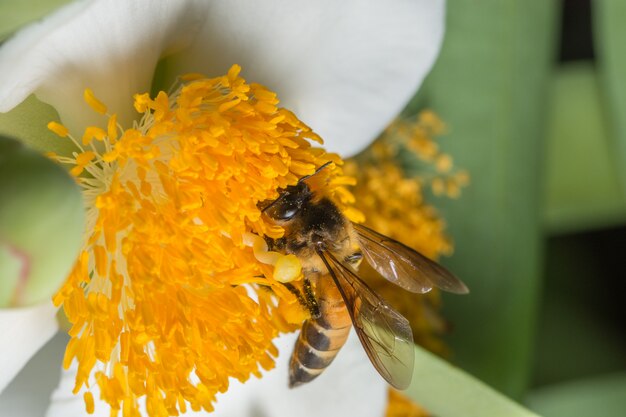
x=404, y=266
x=384, y=333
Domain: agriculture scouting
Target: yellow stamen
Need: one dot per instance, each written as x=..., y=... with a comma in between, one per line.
x=93, y=102
x=85, y=157
x=93, y=132
x=58, y=128
x=112, y=129
x=89, y=403
x=438, y=186
x=399, y=405
x=159, y=299
x=443, y=163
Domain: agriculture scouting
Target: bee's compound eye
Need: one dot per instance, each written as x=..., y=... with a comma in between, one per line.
x=286, y=212
x=290, y=202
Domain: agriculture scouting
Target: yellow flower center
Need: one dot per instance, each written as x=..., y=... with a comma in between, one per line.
x=175, y=290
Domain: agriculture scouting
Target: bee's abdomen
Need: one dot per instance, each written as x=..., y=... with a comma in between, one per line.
x=320, y=339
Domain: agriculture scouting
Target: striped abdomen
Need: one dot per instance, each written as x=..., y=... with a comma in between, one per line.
x=320, y=339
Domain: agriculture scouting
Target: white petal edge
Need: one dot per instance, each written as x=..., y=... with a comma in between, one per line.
x=111, y=47
x=23, y=332
x=349, y=387
x=346, y=68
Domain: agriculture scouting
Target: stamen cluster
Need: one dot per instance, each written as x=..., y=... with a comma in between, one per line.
x=170, y=296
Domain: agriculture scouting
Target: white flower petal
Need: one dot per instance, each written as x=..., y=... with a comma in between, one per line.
x=111, y=47
x=349, y=387
x=28, y=395
x=23, y=332
x=345, y=67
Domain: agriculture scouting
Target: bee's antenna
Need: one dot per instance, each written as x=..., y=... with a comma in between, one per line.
x=316, y=171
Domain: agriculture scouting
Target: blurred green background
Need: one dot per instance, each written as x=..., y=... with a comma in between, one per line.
x=534, y=95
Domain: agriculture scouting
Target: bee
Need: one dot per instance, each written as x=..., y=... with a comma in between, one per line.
x=331, y=248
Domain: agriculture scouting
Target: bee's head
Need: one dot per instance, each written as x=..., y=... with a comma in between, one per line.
x=291, y=199
x=289, y=203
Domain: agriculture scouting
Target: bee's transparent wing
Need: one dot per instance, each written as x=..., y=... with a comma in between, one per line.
x=384, y=333
x=404, y=266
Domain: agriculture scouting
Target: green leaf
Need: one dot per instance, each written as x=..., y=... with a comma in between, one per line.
x=41, y=225
x=601, y=396
x=570, y=332
x=489, y=86
x=14, y=14
x=28, y=122
x=446, y=391
x=609, y=35
x=582, y=187
x=580, y=309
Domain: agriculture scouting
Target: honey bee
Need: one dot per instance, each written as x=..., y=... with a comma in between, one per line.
x=331, y=248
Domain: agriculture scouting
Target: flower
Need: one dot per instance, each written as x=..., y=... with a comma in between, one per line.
x=323, y=59
x=158, y=299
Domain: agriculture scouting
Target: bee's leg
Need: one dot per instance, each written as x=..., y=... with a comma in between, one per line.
x=314, y=308
x=297, y=293
x=307, y=300
x=354, y=260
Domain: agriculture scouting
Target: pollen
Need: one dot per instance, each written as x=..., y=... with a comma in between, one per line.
x=287, y=269
x=175, y=291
